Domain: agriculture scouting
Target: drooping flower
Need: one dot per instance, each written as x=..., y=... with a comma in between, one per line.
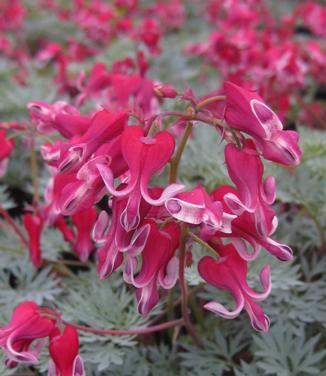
x=84, y=221
x=145, y=156
x=27, y=325
x=71, y=155
x=159, y=265
x=246, y=171
x=244, y=229
x=86, y=187
x=196, y=207
x=33, y=224
x=59, y=116
x=6, y=148
x=230, y=273
x=64, y=350
x=247, y=112
x=118, y=241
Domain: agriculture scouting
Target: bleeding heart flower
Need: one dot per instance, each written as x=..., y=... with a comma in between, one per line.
x=33, y=224
x=244, y=229
x=145, y=156
x=247, y=112
x=158, y=265
x=6, y=148
x=28, y=324
x=84, y=221
x=246, y=171
x=196, y=207
x=118, y=241
x=59, y=116
x=230, y=273
x=64, y=351
x=71, y=155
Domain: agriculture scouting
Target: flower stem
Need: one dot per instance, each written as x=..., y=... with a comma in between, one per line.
x=183, y=288
x=114, y=332
x=174, y=165
x=205, y=102
x=13, y=225
x=200, y=241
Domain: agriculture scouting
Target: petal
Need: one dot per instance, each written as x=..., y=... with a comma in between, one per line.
x=238, y=112
x=64, y=350
x=153, y=256
x=100, y=228
x=282, y=251
x=243, y=250
x=109, y=259
x=246, y=171
x=170, y=191
x=137, y=242
x=156, y=152
x=73, y=159
x=269, y=190
x=78, y=367
x=266, y=117
x=265, y=279
x=185, y=211
x=130, y=217
x=168, y=275
x=259, y=320
x=73, y=197
x=132, y=149
x=52, y=369
x=108, y=178
x=235, y=204
x=282, y=148
x=129, y=270
x=147, y=298
x=220, y=310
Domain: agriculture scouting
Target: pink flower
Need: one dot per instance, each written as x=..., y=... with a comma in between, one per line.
x=33, y=224
x=165, y=91
x=84, y=221
x=74, y=192
x=6, y=148
x=145, y=156
x=99, y=79
x=246, y=171
x=244, y=229
x=246, y=111
x=59, y=116
x=65, y=358
x=118, y=241
x=158, y=263
x=27, y=325
x=71, y=155
x=229, y=272
x=196, y=207
x=149, y=33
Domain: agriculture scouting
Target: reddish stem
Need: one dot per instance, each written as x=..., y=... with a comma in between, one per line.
x=13, y=225
x=187, y=116
x=114, y=332
x=184, y=290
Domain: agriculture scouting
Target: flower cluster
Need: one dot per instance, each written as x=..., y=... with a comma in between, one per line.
x=115, y=153
x=253, y=48
x=30, y=329
x=99, y=21
x=115, y=193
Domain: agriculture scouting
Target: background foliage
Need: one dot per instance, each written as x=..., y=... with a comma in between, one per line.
x=295, y=345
